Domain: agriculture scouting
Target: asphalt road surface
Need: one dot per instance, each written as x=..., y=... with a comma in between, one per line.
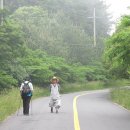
x=95, y=112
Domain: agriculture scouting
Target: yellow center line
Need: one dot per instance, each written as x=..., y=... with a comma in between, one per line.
x=76, y=118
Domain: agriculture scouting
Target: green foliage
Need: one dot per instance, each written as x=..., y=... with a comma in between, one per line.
x=37, y=67
x=9, y=102
x=117, y=83
x=122, y=97
x=41, y=39
x=36, y=63
x=117, y=52
x=41, y=67
x=77, y=87
x=11, y=42
x=61, y=31
x=6, y=81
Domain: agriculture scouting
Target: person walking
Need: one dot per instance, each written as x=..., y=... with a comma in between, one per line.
x=26, y=91
x=55, y=98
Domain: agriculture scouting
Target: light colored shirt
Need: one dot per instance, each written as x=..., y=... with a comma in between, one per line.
x=54, y=91
x=29, y=84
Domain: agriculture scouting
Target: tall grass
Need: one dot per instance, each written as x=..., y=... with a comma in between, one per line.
x=121, y=96
x=8, y=103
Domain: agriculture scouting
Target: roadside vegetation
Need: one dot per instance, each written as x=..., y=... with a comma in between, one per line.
x=117, y=58
x=10, y=101
x=41, y=39
x=44, y=38
x=121, y=96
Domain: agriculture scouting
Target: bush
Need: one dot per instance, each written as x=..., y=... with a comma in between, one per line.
x=6, y=81
x=41, y=75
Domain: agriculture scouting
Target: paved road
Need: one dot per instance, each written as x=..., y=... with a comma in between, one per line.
x=95, y=110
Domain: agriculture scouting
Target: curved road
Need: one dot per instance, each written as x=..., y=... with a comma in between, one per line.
x=95, y=112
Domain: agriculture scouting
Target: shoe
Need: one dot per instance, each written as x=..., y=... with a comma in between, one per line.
x=51, y=109
x=26, y=114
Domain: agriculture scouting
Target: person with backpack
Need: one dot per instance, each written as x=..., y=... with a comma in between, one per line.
x=55, y=100
x=26, y=91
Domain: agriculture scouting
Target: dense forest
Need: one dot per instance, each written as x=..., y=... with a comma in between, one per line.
x=42, y=38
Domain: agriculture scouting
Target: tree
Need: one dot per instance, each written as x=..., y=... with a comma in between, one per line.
x=117, y=53
x=10, y=50
x=61, y=32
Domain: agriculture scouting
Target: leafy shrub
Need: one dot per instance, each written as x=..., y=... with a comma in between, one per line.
x=6, y=81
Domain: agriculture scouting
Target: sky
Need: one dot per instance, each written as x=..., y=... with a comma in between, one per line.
x=117, y=9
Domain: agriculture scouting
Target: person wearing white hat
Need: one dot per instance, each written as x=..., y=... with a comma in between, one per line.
x=55, y=98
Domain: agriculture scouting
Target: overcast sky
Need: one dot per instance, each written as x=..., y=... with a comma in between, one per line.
x=118, y=8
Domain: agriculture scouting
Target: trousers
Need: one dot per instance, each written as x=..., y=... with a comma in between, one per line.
x=26, y=104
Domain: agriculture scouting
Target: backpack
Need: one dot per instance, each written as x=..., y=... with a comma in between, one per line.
x=26, y=90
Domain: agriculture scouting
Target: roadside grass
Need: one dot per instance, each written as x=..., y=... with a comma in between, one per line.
x=94, y=85
x=40, y=92
x=77, y=87
x=119, y=93
x=8, y=103
x=121, y=96
x=117, y=83
x=10, y=100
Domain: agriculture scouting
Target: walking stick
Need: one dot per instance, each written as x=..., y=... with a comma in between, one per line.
x=19, y=106
x=31, y=107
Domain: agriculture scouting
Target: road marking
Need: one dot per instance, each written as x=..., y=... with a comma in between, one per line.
x=76, y=117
